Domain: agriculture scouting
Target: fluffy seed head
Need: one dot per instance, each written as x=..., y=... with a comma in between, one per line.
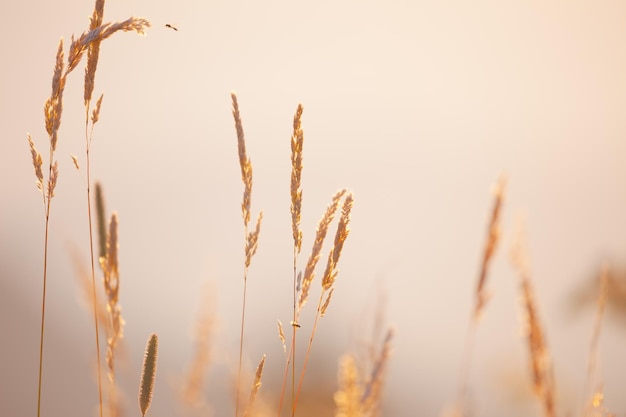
x=148, y=373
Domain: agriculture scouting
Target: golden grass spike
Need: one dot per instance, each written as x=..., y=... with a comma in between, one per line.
x=244, y=162
x=148, y=373
x=53, y=107
x=322, y=229
x=541, y=365
x=37, y=162
x=350, y=392
x=297, y=140
x=79, y=46
x=115, y=322
x=95, y=115
x=52, y=181
x=493, y=236
x=252, y=240
x=326, y=302
x=101, y=220
x=340, y=237
x=250, y=237
x=372, y=394
x=255, y=387
x=98, y=12
x=112, y=246
x=93, y=53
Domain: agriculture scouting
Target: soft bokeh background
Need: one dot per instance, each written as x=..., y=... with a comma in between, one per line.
x=416, y=106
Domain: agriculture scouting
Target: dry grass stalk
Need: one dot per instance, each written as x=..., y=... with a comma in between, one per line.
x=373, y=393
x=326, y=302
x=493, y=235
x=340, y=237
x=255, y=387
x=541, y=365
x=90, y=41
x=320, y=236
x=81, y=45
x=93, y=53
x=593, y=390
x=53, y=110
x=115, y=323
x=358, y=397
x=331, y=267
x=244, y=162
x=297, y=140
x=348, y=396
x=193, y=386
x=148, y=373
x=251, y=238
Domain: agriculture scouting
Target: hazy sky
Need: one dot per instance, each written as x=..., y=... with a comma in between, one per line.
x=417, y=107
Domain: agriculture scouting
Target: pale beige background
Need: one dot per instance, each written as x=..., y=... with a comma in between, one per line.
x=416, y=106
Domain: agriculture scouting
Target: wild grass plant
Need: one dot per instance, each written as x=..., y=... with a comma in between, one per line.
x=360, y=382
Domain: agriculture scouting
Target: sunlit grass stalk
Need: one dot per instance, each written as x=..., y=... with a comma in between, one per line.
x=540, y=361
x=251, y=237
x=358, y=396
x=90, y=73
x=481, y=295
x=53, y=109
x=256, y=385
x=110, y=267
x=297, y=141
x=330, y=274
x=592, y=393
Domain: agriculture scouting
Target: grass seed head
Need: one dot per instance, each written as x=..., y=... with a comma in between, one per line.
x=148, y=373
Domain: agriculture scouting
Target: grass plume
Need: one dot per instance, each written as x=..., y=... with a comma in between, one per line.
x=297, y=142
x=331, y=271
x=541, y=364
x=320, y=236
x=481, y=296
x=593, y=391
x=357, y=395
x=256, y=385
x=148, y=373
x=115, y=329
x=251, y=237
x=53, y=111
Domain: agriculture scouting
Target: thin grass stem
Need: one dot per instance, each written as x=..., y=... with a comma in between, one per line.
x=308, y=352
x=241, y=335
x=43, y=302
x=93, y=270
